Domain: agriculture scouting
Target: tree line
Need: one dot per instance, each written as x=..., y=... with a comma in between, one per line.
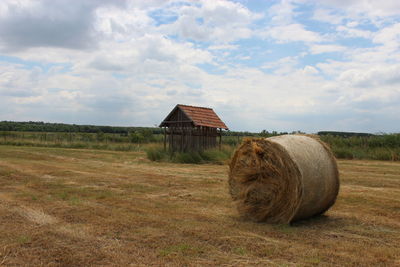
x=39, y=126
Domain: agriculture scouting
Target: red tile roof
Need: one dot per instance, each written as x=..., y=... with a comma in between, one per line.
x=202, y=116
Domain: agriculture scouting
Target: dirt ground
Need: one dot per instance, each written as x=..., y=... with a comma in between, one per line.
x=67, y=207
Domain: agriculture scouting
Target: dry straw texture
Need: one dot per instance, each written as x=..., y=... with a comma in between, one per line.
x=283, y=179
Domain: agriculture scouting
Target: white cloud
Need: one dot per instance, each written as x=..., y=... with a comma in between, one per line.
x=223, y=47
x=389, y=37
x=292, y=33
x=353, y=33
x=48, y=24
x=378, y=76
x=215, y=21
x=282, y=13
x=18, y=82
x=352, y=24
x=370, y=8
x=325, y=48
x=122, y=24
x=326, y=15
x=149, y=50
x=282, y=66
x=310, y=70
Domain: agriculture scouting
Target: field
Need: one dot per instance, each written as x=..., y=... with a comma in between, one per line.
x=378, y=147
x=82, y=207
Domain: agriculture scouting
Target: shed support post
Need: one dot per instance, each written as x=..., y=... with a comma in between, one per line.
x=172, y=139
x=220, y=138
x=165, y=139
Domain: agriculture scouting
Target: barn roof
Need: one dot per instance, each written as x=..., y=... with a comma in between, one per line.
x=200, y=116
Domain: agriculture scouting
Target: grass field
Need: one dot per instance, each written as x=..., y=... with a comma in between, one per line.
x=378, y=147
x=71, y=207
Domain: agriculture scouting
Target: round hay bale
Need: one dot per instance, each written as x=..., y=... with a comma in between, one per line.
x=283, y=179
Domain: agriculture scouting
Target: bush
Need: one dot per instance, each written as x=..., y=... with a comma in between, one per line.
x=100, y=136
x=216, y=155
x=343, y=153
x=359, y=153
x=382, y=154
x=156, y=153
x=187, y=157
x=136, y=137
x=232, y=140
x=376, y=147
x=76, y=145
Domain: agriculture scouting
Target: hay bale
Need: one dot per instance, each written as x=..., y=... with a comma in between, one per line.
x=283, y=179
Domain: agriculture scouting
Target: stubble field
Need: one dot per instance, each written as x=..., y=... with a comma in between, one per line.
x=70, y=207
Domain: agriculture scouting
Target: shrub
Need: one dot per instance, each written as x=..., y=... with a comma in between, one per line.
x=187, y=157
x=216, y=155
x=343, y=153
x=100, y=136
x=136, y=137
x=382, y=154
x=156, y=153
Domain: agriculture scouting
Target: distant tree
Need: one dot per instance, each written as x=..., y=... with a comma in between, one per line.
x=136, y=137
x=100, y=136
x=265, y=133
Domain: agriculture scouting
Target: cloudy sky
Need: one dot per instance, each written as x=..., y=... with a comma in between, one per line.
x=275, y=65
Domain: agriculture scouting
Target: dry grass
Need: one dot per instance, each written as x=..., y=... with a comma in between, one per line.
x=64, y=207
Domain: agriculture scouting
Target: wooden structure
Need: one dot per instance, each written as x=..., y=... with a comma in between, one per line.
x=189, y=128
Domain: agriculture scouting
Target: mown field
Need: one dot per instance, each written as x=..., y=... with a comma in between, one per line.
x=81, y=207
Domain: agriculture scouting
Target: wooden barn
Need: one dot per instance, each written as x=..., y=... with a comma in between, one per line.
x=189, y=128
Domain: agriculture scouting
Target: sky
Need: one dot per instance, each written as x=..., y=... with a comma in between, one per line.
x=276, y=65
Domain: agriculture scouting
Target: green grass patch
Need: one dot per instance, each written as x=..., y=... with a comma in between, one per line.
x=285, y=228
x=215, y=156
x=187, y=157
x=239, y=251
x=141, y=188
x=28, y=196
x=156, y=153
x=315, y=260
x=75, y=201
x=104, y=194
x=23, y=239
x=376, y=147
x=180, y=250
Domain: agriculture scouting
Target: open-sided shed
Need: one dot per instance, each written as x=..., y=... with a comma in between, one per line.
x=190, y=128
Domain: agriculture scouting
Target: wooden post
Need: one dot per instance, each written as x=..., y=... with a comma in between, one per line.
x=165, y=139
x=171, y=134
x=206, y=138
x=220, y=138
x=190, y=140
x=182, y=140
